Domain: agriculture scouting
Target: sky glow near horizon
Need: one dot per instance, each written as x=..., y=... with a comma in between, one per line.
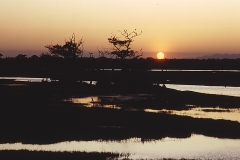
x=181, y=29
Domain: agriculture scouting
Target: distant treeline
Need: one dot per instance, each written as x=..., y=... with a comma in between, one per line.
x=109, y=63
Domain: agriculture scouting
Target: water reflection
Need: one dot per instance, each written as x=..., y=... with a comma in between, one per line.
x=14, y=85
x=193, y=70
x=213, y=113
x=114, y=101
x=93, y=102
x=117, y=102
x=220, y=90
x=26, y=79
x=197, y=147
x=198, y=112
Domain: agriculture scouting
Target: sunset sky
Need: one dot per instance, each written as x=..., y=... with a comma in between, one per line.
x=178, y=28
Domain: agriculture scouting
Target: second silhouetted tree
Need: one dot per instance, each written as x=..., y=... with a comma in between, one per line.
x=122, y=47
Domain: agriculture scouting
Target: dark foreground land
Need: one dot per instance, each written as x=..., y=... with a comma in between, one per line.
x=42, y=155
x=29, y=155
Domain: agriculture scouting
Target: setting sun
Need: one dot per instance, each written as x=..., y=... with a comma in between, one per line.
x=160, y=55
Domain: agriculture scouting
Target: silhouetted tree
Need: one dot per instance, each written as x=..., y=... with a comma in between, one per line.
x=34, y=57
x=69, y=71
x=90, y=55
x=1, y=55
x=21, y=56
x=122, y=47
x=45, y=55
x=102, y=53
x=71, y=48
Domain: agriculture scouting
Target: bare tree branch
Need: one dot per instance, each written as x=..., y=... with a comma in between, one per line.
x=71, y=48
x=122, y=48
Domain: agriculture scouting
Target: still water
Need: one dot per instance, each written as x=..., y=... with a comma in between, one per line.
x=117, y=102
x=26, y=79
x=219, y=90
x=196, y=146
x=196, y=70
x=212, y=113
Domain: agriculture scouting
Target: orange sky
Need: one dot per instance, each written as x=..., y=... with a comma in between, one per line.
x=180, y=29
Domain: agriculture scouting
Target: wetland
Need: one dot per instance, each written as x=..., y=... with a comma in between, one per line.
x=160, y=117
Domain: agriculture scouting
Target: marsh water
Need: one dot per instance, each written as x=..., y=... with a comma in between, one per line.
x=219, y=90
x=194, y=111
x=194, y=147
